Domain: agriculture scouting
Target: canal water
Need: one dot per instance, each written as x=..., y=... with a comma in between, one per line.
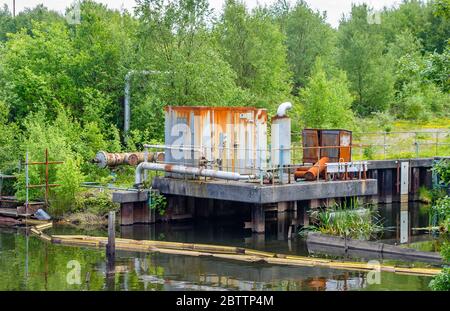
x=27, y=263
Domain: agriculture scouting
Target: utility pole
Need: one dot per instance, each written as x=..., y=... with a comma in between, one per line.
x=14, y=8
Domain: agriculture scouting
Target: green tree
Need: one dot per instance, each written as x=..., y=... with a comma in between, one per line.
x=8, y=139
x=307, y=36
x=174, y=40
x=361, y=54
x=6, y=22
x=254, y=46
x=421, y=19
x=420, y=79
x=34, y=70
x=442, y=8
x=104, y=44
x=326, y=101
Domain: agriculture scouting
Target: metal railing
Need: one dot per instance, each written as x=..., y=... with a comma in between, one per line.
x=365, y=146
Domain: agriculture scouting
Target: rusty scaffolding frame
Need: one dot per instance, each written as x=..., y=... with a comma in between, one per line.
x=46, y=185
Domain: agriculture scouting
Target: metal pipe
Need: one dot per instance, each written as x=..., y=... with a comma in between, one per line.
x=316, y=170
x=186, y=170
x=127, y=112
x=281, y=111
x=105, y=159
x=174, y=147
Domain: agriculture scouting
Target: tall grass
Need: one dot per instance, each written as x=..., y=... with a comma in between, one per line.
x=350, y=220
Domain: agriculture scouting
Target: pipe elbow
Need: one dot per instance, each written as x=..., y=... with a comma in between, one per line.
x=283, y=108
x=138, y=174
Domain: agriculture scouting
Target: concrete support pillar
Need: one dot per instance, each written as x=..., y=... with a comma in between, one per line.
x=141, y=213
x=303, y=218
x=415, y=184
x=126, y=232
x=282, y=207
x=282, y=226
x=126, y=214
x=293, y=208
x=258, y=218
x=385, y=185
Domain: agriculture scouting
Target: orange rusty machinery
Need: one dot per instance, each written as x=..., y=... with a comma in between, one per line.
x=311, y=173
x=321, y=146
x=334, y=144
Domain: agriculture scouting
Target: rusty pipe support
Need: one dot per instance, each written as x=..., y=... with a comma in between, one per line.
x=186, y=170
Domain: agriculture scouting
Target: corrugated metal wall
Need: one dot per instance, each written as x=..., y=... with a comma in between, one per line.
x=237, y=136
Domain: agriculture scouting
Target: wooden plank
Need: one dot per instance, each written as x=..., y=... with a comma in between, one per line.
x=240, y=254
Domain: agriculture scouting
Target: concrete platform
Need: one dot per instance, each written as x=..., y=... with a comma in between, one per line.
x=130, y=196
x=264, y=194
x=413, y=163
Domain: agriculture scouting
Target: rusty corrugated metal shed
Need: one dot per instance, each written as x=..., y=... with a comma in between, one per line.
x=234, y=137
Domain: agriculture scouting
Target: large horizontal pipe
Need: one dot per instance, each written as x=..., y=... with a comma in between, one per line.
x=186, y=170
x=317, y=169
x=106, y=159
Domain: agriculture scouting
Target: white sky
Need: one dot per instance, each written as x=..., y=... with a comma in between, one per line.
x=334, y=8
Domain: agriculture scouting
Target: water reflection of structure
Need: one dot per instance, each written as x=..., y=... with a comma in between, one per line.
x=165, y=272
x=401, y=218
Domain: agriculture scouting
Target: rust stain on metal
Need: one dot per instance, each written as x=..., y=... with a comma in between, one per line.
x=317, y=169
x=331, y=143
x=232, y=135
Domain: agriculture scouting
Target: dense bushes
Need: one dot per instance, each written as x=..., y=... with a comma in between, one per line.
x=441, y=216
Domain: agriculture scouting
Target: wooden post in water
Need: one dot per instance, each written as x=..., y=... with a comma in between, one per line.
x=111, y=246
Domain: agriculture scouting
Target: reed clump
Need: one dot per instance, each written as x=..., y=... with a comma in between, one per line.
x=348, y=219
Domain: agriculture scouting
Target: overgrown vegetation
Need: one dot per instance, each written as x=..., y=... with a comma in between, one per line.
x=442, y=281
x=350, y=220
x=158, y=202
x=440, y=213
x=61, y=84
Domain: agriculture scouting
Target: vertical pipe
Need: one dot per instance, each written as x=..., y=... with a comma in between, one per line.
x=111, y=246
x=46, y=178
x=146, y=160
x=27, y=182
x=258, y=218
x=126, y=117
x=281, y=164
x=127, y=111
